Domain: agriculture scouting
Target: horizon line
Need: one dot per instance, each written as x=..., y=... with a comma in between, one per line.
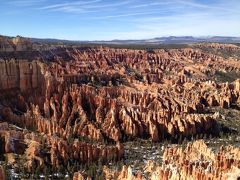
x=152, y=38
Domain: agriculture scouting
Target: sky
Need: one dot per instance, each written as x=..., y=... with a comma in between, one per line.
x=119, y=19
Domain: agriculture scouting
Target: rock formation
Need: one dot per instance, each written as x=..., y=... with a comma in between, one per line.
x=196, y=161
x=2, y=174
x=15, y=44
x=78, y=176
x=84, y=102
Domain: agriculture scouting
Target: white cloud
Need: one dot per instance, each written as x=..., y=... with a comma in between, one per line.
x=138, y=19
x=69, y=5
x=86, y=6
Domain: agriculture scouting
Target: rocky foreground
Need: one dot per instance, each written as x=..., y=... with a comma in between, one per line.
x=196, y=161
x=64, y=108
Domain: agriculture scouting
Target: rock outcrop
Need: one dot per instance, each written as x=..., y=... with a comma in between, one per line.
x=2, y=173
x=196, y=161
x=79, y=176
x=84, y=102
x=125, y=174
x=59, y=151
x=18, y=43
x=20, y=75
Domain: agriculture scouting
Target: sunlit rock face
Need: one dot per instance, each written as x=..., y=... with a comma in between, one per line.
x=15, y=44
x=196, y=161
x=20, y=75
x=85, y=102
x=115, y=94
x=2, y=174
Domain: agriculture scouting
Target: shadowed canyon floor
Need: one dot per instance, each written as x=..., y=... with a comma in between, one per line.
x=69, y=112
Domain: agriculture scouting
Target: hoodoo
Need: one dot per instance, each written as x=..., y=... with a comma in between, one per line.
x=71, y=110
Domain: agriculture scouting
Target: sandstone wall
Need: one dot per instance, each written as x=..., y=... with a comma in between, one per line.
x=2, y=173
x=20, y=75
x=18, y=43
x=196, y=161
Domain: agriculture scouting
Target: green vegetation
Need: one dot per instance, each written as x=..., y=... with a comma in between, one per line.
x=222, y=77
x=138, y=76
x=230, y=118
x=237, y=44
x=147, y=47
x=134, y=46
x=224, y=52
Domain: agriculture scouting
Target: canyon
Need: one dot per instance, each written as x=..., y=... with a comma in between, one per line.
x=64, y=107
x=196, y=161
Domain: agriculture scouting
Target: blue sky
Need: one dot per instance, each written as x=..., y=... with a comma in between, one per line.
x=119, y=19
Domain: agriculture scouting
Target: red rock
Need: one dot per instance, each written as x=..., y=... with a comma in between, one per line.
x=2, y=173
x=80, y=99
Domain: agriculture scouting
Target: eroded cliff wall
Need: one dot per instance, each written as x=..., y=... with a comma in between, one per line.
x=83, y=103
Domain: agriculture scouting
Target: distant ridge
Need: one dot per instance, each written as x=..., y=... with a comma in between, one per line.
x=153, y=41
x=157, y=40
x=176, y=40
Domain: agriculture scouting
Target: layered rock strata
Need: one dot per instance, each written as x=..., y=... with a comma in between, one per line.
x=196, y=161
x=2, y=173
x=81, y=100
